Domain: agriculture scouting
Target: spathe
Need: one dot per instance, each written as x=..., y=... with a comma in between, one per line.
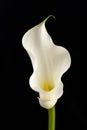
x=49, y=63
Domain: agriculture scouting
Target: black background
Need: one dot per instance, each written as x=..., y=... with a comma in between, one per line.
x=19, y=107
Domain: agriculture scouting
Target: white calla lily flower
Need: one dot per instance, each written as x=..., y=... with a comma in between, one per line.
x=49, y=62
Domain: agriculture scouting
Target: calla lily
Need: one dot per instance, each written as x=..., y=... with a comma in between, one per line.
x=49, y=63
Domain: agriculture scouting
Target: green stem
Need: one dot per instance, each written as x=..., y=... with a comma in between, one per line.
x=51, y=118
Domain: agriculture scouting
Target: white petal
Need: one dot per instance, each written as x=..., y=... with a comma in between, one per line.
x=49, y=62
x=37, y=42
x=49, y=99
x=47, y=103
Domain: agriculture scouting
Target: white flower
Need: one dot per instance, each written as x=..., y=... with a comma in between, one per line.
x=49, y=62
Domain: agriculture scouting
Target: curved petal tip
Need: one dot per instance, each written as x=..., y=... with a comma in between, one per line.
x=48, y=18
